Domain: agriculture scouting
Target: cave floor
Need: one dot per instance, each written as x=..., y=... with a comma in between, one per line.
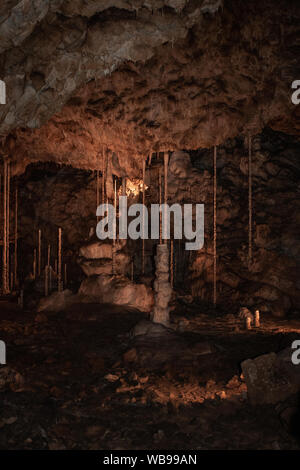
x=77, y=380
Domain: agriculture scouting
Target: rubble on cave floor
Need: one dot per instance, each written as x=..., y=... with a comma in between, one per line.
x=108, y=393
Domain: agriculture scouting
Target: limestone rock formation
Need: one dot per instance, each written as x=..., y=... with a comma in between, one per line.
x=272, y=377
x=82, y=77
x=107, y=267
x=117, y=290
x=56, y=302
x=162, y=286
x=96, y=257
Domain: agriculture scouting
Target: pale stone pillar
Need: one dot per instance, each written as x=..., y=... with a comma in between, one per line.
x=162, y=286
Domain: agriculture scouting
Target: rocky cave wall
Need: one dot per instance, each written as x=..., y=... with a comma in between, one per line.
x=142, y=76
x=117, y=81
x=54, y=196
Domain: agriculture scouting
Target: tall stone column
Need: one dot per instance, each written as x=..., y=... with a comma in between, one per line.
x=162, y=286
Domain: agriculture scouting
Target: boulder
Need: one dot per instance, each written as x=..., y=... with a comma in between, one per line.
x=146, y=327
x=272, y=377
x=117, y=290
x=56, y=302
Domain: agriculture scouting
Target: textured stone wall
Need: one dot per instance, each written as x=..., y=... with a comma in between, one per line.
x=52, y=197
x=132, y=77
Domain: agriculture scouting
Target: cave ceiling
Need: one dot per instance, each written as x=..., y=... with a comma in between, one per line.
x=140, y=76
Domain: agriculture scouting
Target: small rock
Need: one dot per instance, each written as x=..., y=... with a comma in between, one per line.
x=111, y=377
x=233, y=383
x=11, y=420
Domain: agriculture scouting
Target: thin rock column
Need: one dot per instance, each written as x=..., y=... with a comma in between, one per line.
x=215, y=229
x=162, y=286
x=250, y=201
x=16, y=240
x=4, y=262
x=59, y=273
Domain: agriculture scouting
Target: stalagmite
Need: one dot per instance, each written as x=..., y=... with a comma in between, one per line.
x=162, y=287
x=16, y=239
x=257, y=318
x=250, y=201
x=143, y=220
x=215, y=228
x=59, y=278
x=65, y=274
x=39, y=251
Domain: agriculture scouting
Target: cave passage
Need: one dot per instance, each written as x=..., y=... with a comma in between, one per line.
x=149, y=225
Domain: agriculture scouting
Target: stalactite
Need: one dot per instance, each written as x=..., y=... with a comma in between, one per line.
x=215, y=228
x=4, y=252
x=16, y=239
x=179, y=264
x=172, y=262
x=65, y=274
x=21, y=298
x=132, y=270
x=50, y=278
x=175, y=265
x=143, y=220
x=59, y=283
x=103, y=177
x=166, y=161
x=46, y=281
x=39, y=251
x=8, y=227
x=48, y=272
x=48, y=255
x=11, y=280
x=114, y=230
x=160, y=200
x=34, y=264
x=250, y=201
x=124, y=186
x=97, y=190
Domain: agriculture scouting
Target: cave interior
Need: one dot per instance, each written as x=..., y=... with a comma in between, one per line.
x=138, y=342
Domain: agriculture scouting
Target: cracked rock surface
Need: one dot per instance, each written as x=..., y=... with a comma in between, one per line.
x=132, y=77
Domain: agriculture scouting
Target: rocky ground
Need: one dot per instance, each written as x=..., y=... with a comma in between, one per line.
x=80, y=380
